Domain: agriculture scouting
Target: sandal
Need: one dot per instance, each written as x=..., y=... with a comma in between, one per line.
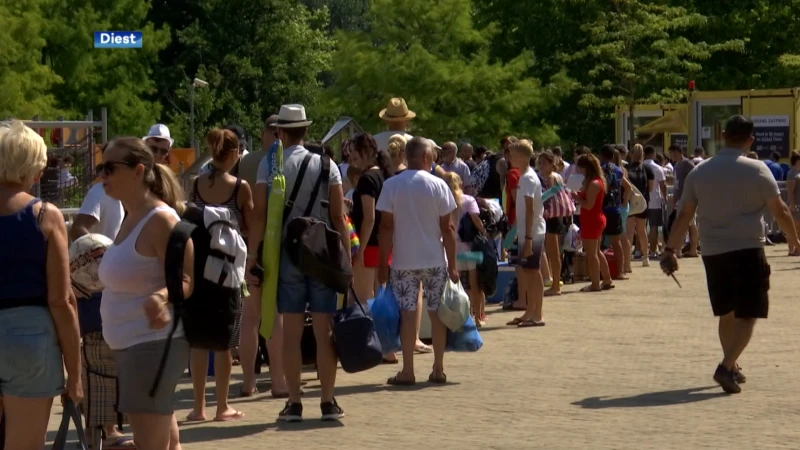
x=589, y=288
x=390, y=361
x=515, y=322
x=245, y=394
x=119, y=443
x=192, y=417
x=395, y=381
x=608, y=287
x=549, y=293
x=422, y=349
x=227, y=418
x=440, y=379
x=530, y=323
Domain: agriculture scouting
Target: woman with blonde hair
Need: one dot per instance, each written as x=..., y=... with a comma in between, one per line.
x=641, y=176
x=38, y=317
x=136, y=313
x=397, y=152
x=219, y=188
x=468, y=273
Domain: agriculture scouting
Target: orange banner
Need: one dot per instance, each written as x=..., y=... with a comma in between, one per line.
x=177, y=157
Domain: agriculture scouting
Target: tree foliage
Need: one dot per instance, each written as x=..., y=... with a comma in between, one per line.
x=431, y=54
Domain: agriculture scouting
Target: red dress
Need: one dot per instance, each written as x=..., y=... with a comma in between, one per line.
x=593, y=221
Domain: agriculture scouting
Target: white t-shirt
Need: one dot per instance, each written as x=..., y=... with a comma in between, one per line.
x=107, y=211
x=658, y=178
x=565, y=171
x=417, y=200
x=382, y=139
x=530, y=186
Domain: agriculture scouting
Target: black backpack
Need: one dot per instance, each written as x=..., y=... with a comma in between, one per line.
x=313, y=247
x=487, y=269
x=613, y=197
x=209, y=314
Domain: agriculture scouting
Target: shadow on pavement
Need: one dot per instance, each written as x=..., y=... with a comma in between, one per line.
x=661, y=398
x=214, y=433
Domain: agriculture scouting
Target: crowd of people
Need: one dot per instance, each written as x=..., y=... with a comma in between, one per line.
x=408, y=200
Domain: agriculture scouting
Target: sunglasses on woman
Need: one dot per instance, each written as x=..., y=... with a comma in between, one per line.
x=107, y=168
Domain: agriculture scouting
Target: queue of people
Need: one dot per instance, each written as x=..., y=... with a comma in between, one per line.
x=407, y=198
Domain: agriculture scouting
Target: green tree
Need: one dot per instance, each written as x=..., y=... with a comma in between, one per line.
x=255, y=54
x=433, y=55
x=637, y=54
x=25, y=81
x=119, y=79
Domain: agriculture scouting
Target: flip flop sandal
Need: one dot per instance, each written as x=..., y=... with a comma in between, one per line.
x=394, y=381
x=423, y=349
x=442, y=379
x=551, y=294
x=530, y=324
x=590, y=289
x=235, y=416
x=120, y=443
x=390, y=361
x=245, y=394
x=514, y=322
x=608, y=287
x=195, y=418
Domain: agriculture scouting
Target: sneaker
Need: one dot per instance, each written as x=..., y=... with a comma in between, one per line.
x=292, y=412
x=739, y=376
x=727, y=380
x=331, y=411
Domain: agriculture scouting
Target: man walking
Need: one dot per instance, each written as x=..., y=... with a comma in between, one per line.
x=655, y=207
x=418, y=230
x=732, y=236
x=683, y=166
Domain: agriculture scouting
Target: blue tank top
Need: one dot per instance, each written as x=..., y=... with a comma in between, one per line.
x=23, y=258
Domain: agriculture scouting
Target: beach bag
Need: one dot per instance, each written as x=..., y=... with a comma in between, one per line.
x=572, y=239
x=70, y=415
x=313, y=247
x=559, y=205
x=454, y=306
x=466, y=340
x=209, y=314
x=354, y=337
x=386, y=316
x=637, y=203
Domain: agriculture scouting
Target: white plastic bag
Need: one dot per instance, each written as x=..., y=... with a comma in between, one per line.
x=454, y=307
x=572, y=240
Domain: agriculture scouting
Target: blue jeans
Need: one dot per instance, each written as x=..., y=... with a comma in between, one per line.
x=31, y=365
x=296, y=291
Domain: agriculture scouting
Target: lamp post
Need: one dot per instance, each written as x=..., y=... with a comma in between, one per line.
x=196, y=83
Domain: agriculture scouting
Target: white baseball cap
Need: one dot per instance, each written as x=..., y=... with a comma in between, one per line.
x=434, y=144
x=159, y=131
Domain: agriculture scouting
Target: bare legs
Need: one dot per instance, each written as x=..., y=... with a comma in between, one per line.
x=619, y=252
x=638, y=227
x=533, y=287
x=553, y=252
x=734, y=335
x=248, y=345
x=156, y=432
x=293, y=325
x=477, y=299
x=596, y=264
x=28, y=418
x=223, y=362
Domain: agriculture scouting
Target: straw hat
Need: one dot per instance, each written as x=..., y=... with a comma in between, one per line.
x=396, y=111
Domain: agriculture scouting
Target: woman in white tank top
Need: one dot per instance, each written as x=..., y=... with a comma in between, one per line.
x=136, y=314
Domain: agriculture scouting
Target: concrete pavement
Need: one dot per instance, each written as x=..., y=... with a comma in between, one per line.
x=623, y=369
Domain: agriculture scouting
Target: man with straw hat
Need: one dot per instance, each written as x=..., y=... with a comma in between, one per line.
x=397, y=116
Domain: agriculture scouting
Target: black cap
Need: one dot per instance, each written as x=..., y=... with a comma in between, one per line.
x=237, y=130
x=738, y=129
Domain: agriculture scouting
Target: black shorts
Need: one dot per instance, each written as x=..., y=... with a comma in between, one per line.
x=642, y=215
x=554, y=225
x=613, y=223
x=738, y=282
x=655, y=217
x=463, y=276
x=533, y=262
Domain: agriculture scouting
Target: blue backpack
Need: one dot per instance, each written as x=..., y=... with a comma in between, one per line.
x=613, y=198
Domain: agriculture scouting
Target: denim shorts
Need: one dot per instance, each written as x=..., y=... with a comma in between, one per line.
x=296, y=291
x=32, y=364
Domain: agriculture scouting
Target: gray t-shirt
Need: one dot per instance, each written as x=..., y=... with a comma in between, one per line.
x=460, y=167
x=682, y=169
x=731, y=192
x=292, y=160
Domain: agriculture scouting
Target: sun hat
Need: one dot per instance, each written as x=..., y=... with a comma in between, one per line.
x=292, y=116
x=396, y=111
x=159, y=131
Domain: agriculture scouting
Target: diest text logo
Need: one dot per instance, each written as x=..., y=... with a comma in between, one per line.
x=117, y=39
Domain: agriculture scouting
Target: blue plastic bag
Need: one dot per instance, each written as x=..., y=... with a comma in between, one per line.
x=466, y=340
x=386, y=315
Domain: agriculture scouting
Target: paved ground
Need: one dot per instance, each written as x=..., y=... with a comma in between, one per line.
x=625, y=369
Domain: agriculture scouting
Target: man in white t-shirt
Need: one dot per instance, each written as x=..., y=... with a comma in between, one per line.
x=397, y=116
x=417, y=228
x=530, y=234
x=655, y=208
x=99, y=213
